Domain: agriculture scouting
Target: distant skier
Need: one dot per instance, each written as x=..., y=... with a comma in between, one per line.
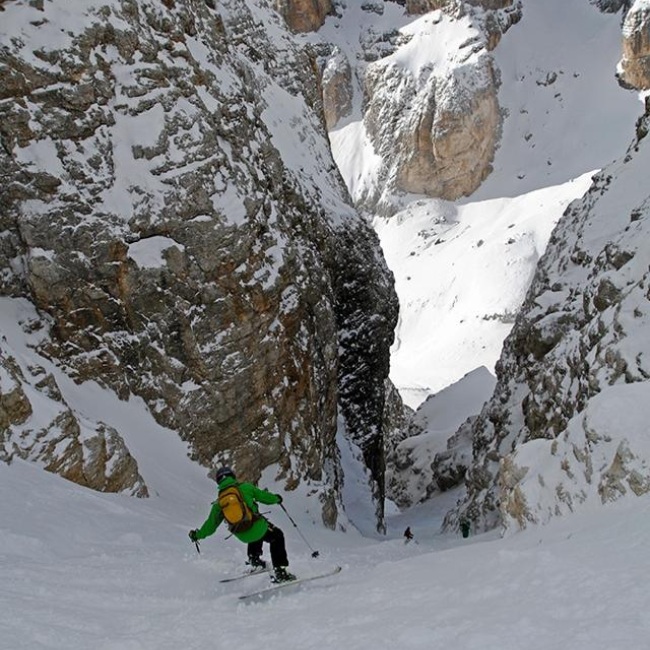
x=236, y=504
x=408, y=535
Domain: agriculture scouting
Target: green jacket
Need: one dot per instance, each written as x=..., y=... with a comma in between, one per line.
x=251, y=495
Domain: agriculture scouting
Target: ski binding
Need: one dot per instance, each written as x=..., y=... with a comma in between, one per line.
x=252, y=572
x=267, y=591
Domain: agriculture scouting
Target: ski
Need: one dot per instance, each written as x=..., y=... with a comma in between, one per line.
x=252, y=572
x=267, y=591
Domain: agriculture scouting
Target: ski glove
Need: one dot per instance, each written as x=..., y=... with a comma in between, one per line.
x=192, y=535
x=279, y=498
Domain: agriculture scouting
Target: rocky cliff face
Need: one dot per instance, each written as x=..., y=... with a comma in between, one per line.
x=46, y=430
x=170, y=204
x=635, y=65
x=424, y=6
x=436, y=129
x=337, y=88
x=549, y=439
x=304, y=15
x=435, y=126
x=444, y=143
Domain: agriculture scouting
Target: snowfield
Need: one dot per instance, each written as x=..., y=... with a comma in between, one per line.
x=82, y=570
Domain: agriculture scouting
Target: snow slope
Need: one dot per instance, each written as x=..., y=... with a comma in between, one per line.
x=461, y=274
x=83, y=570
x=462, y=269
x=410, y=469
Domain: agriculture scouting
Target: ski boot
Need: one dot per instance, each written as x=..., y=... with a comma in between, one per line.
x=256, y=563
x=282, y=575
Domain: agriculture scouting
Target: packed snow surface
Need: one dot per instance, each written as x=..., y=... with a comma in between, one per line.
x=84, y=570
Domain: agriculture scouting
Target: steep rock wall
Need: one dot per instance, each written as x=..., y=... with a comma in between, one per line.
x=47, y=431
x=433, y=125
x=170, y=202
x=337, y=88
x=635, y=65
x=424, y=6
x=304, y=15
x=436, y=132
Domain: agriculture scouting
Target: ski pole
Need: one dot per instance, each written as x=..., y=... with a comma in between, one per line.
x=295, y=525
x=196, y=543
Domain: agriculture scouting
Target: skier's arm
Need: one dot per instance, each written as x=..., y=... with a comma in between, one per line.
x=211, y=523
x=266, y=497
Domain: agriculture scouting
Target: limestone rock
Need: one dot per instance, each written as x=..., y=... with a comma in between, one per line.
x=169, y=200
x=435, y=449
x=399, y=425
x=491, y=5
x=453, y=144
x=337, y=88
x=424, y=6
x=304, y=15
x=438, y=137
x=550, y=438
x=432, y=127
x=495, y=16
x=635, y=65
x=450, y=466
x=90, y=454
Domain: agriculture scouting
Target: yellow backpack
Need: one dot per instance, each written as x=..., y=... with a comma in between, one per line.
x=237, y=513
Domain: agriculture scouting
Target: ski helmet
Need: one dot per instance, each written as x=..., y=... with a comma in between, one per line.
x=222, y=472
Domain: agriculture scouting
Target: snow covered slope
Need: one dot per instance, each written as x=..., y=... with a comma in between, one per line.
x=81, y=570
x=412, y=475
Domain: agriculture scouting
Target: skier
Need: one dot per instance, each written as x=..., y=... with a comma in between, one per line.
x=408, y=535
x=237, y=505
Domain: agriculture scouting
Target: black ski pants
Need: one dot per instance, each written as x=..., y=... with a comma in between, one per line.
x=275, y=539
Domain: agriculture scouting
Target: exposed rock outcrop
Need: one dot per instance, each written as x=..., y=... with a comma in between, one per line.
x=304, y=15
x=89, y=453
x=337, y=88
x=635, y=65
x=433, y=127
x=437, y=137
x=454, y=144
x=424, y=6
x=437, y=450
x=160, y=203
x=550, y=438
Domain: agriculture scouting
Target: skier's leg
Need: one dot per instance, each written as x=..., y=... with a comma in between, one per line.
x=255, y=553
x=275, y=538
